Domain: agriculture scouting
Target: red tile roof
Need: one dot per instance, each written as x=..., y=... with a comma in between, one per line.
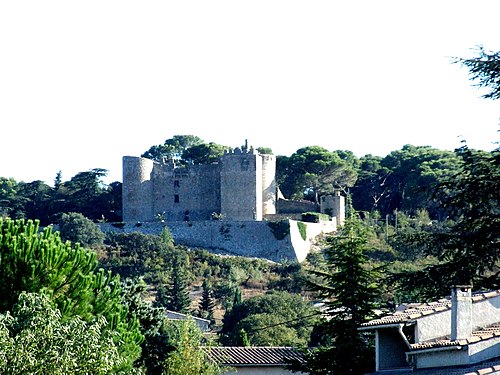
x=252, y=355
x=478, y=335
x=414, y=311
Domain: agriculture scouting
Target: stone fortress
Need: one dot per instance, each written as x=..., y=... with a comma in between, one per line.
x=241, y=186
x=232, y=206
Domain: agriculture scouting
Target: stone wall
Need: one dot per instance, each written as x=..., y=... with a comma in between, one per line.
x=275, y=241
x=286, y=206
x=186, y=194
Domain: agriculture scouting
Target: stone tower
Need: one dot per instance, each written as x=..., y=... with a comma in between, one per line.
x=334, y=205
x=269, y=184
x=137, y=189
x=241, y=185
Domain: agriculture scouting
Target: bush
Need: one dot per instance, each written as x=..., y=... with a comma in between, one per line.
x=77, y=228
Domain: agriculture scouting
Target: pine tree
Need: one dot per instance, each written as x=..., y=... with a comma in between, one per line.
x=174, y=293
x=207, y=304
x=40, y=262
x=348, y=285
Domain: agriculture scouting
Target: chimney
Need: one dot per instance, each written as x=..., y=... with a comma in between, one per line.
x=461, y=312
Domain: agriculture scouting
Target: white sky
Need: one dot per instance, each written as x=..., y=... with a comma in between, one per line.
x=83, y=83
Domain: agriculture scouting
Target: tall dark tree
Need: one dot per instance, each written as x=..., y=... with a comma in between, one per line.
x=11, y=202
x=371, y=187
x=469, y=250
x=207, y=303
x=81, y=193
x=38, y=198
x=351, y=291
x=155, y=347
x=174, y=293
x=485, y=70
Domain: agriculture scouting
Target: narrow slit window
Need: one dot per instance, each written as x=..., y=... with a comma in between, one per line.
x=176, y=198
x=176, y=183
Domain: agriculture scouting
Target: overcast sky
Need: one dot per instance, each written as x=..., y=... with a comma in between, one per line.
x=83, y=83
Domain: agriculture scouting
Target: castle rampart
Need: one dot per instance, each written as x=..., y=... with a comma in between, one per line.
x=275, y=241
x=221, y=206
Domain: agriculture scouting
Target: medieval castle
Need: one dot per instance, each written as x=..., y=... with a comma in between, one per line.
x=228, y=205
x=241, y=186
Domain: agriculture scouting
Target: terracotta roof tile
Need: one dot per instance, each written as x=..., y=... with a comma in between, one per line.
x=414, y=311
x=478, y=335
x=252, y=355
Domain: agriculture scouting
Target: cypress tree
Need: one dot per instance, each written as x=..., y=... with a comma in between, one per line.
x=174, y=293
x=207, y=304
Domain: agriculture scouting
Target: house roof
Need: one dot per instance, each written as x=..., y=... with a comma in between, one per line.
x=478, y=335
x=413, y=311
x=489, y=367
x=252, y=355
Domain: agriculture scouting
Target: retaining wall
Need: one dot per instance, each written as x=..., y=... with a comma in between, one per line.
x=276, y=241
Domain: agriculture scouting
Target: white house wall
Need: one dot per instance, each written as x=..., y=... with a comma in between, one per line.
x=484, y=350
x=442, y=358
x=433, y=326
x=486, y=312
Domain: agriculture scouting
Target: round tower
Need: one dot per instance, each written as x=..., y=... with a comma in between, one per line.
x=137, y=189
x=268, y=184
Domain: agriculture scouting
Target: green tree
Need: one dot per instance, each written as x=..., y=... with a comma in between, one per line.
x=77, y=228
x=204, y=153
x=188, y=358
x=265, y=150
x=11, y=203
x=172, y=148
x=35, y=339
x=174, y=294
x=34, y=261
x=207, y=303
x=137, y=254
x=415, y=171
x=484, y=69
x=371, y=188
x=313, y=171
x=38, y=201
x=468, y=250
x=270, y=329
x=276, y=318
x=349, y=285
x=81, y=192
x=156, y=346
